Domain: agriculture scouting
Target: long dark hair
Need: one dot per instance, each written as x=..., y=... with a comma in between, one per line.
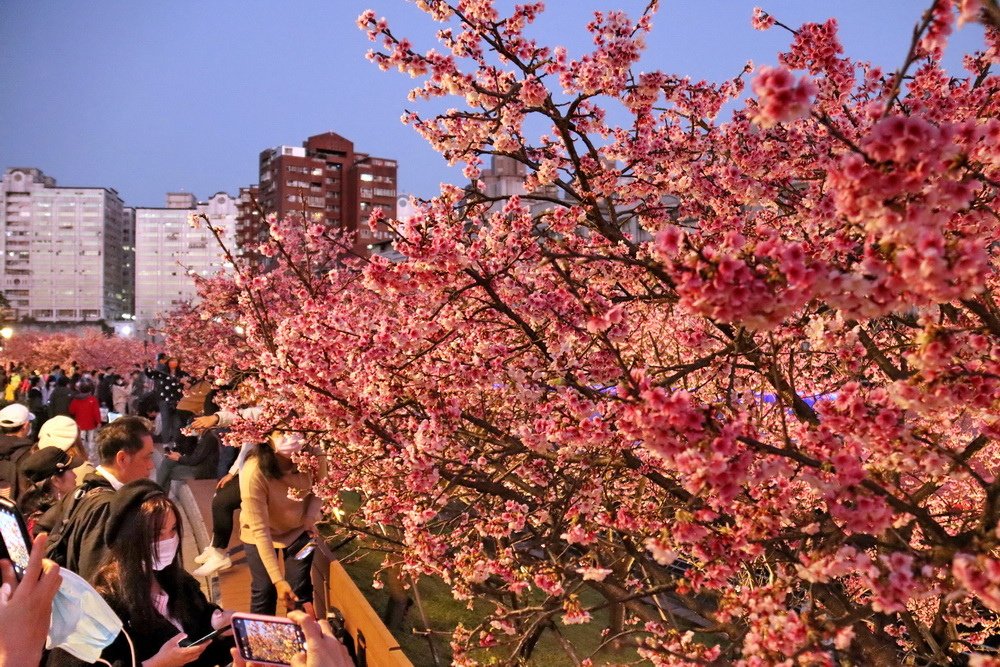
x=267, y=460
x=127, y=573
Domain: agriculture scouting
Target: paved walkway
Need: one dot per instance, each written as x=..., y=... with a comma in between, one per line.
x=230, y=588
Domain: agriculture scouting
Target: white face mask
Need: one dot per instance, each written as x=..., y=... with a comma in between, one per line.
x=288, y=444
x=82, y=622
x=165, y=552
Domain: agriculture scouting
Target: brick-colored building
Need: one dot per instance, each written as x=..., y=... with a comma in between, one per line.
x=324, y=180
x=249, y=228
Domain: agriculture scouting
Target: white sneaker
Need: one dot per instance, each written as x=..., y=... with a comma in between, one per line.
x=216, y=562
x=206, y=554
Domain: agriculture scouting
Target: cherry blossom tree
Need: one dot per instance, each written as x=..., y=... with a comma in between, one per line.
x=729, y=373
x=92, y=350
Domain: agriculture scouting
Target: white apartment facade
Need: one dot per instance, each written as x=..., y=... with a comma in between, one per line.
x=170, y=252
x=63, y=250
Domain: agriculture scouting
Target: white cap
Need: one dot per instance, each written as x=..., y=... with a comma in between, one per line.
x=13, y=415
x=59, y=431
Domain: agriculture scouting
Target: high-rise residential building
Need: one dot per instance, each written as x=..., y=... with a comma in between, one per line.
x=326, y=181
x=63, y=249
x=128, y=261
x=170, y=251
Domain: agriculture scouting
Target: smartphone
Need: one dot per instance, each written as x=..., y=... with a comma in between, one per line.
x=268, y=640
x=207, y=638
x=306, y=549
x=15, y=542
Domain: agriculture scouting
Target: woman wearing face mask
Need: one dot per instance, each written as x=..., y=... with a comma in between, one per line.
x=278, y=511
x=144, y=582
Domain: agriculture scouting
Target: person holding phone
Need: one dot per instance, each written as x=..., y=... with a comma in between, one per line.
x=322, y=648
x=143, y=580
x=278, y=510
x=26, y=606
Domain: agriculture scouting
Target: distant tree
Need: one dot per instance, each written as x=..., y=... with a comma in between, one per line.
x=42, y=351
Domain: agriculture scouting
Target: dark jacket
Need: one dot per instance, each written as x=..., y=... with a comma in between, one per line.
x=204, y=457
x=59, y=401
x=13, y=449
x=44, y=520
x=150, y=637
x=77, y=539
x=104, y=389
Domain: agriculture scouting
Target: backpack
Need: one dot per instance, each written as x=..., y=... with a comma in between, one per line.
x=10, y=474
x=56, y=548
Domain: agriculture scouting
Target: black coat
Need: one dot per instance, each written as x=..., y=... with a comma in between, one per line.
x=104, y=389
x=59, y=401
x=13, y=450
x=77, y=540
x=151, y=636
x=169, y=388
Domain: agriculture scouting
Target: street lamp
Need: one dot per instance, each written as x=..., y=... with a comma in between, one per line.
x=6, y=332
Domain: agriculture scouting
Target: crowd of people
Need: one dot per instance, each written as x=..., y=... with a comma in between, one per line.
x=90, y=459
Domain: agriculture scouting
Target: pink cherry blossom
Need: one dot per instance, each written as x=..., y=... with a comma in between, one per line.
x=729, y=364
x=782, y=98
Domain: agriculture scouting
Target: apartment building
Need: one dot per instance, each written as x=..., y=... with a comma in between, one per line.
x=325, y=180
x=170, y=252
x=64, y=249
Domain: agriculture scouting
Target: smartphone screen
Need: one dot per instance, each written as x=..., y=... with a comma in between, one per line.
x=16, y=543
x=273, y=640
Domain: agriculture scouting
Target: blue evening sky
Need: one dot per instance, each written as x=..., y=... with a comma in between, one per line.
x=148, y=97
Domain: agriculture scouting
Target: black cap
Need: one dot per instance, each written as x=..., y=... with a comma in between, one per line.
x=39, y=466
x=128, y=499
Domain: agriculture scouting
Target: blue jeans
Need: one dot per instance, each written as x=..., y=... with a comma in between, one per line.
x=169, y=470
x=263, y=595
x=170, y=423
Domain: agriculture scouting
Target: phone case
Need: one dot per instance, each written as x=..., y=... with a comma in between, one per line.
x=18, y=554
x=245, y=643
